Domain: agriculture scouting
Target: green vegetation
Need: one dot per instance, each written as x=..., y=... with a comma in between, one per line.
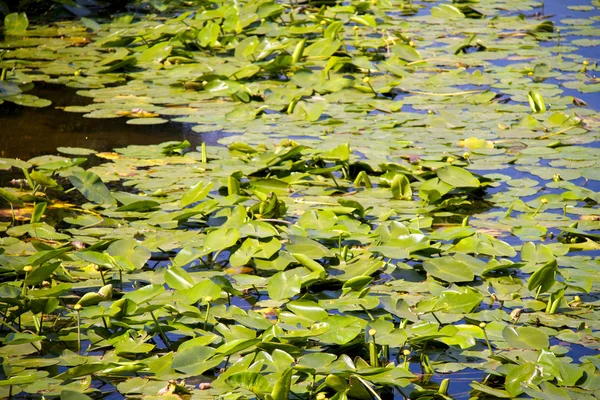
x=401, y=193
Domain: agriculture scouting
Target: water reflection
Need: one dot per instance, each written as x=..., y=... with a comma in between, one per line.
x=26, y=132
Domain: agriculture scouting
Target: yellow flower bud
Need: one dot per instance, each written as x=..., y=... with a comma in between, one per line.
x=530, y=74
x=544, y=200
x=208, y=299
x=28, y=268
x=466, y=155
x=366, y=79
x=355, y=28
x=482, y=325
x=321, y=396
x=372, y=332
x=406, y=352
x=411, y=43
x=586, y=63
x=323, y=22
x=77, y=307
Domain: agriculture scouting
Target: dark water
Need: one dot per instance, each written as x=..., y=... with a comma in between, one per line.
x=26, y=132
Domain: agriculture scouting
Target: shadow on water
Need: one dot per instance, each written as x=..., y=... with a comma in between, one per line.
x=26, y=132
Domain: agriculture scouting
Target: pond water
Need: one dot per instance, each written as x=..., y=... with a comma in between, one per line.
x=504, y=201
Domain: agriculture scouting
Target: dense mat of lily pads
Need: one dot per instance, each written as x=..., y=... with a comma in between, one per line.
x=391, y=204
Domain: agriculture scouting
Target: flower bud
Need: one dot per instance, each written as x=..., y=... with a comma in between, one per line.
x=544, y=200
x=372, y=332
x=28, y=268
x=77, y=307
x=482, y=325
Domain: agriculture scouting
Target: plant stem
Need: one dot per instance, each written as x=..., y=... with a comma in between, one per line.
x=487, y=341
x=204, y=153
x=78, y=333
x=164, y=337
x=9, y=327
x=206, y=316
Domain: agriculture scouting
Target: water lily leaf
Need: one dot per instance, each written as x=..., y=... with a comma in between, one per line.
x=446, y=11
x=129, y=254
x=130, y=345
x=178, y=279
x=406, y=53
x=364, y=19
x=220, y=239
x=283, y=285
x=91, y=186
x=195, y=193
x=24, y=378
x=73, y=395
x=281, y=389
x=449, y=270
x=331, y=32
x=252, y=381
x=536, y=102
x=457, y=177
x=322, y=48
x=525, y=337
x=11, y=198
x=147, y=121
x=147, y=293
x=310, y=112
x=401, y=187
x=242, y=113
x=156, y=53
x=546, y=391
x=474, y=143
x=43, y=179
x=41, y=273
x=309, y=247
x=16, y=23
x=544, y=278
x=503, y=394
x=196, y=360
x=209, y=35
x=201, y=291
x=28, y=100
x=517, y=375
x=21, y=338
x=309, y=312
x=91, y=24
